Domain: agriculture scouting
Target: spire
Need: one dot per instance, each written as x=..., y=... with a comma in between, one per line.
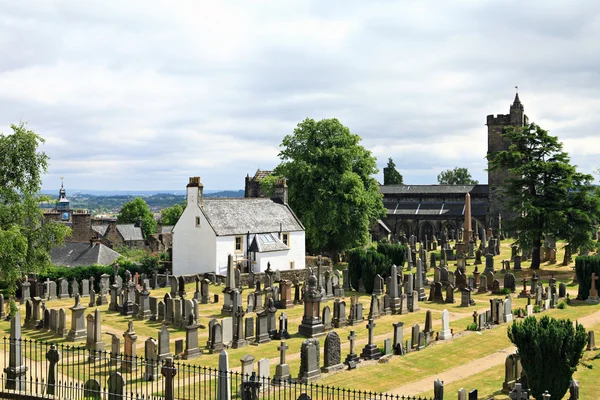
x=517, y=101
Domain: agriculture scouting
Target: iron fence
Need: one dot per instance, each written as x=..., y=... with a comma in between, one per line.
x=38, y=369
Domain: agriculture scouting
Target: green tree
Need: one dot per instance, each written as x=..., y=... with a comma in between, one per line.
x=330, y=182
x=267, y=184
x=544, y=190
x=137, y=210
x=550, y=350
x=26, y=238
x=456, y=176
x=391, y=176
x=170, y=215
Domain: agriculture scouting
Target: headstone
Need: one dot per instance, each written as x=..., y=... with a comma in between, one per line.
x=282, y=370
x=309, y=361
x=164, y=343
x=327, y=324
x=249, y=328
x=438, y=390
x=591, y=344
x=352, y=357
x=116, y=386
x=129, y=362
x=227, y=325
x=63, y=292
x=332, y=353
x=339, y=314
x=445, y=332
x=224, y=391
x=371, y=351
x=262, y=328
x=398, y=337
x=15, y=371
x=78, y=331
x=150, y=360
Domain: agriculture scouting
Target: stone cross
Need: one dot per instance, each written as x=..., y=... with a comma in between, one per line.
x=518, y=393
x=352, y=339
x=371, y=328
x=169, y=371
x=282, y=348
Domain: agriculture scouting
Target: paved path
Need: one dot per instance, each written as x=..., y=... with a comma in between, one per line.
x=466, y=370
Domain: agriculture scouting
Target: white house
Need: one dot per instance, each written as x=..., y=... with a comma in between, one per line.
x=255, y=231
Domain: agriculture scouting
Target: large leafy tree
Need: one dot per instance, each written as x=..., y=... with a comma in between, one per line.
x=550, y=350
x=26, y=238
x=170, y=215
x=137, y=210
x=546, y=192
x=391, y=176
x=330, y=182
x=456, y=176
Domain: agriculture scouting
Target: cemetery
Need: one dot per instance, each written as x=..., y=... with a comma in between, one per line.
x=443, y=319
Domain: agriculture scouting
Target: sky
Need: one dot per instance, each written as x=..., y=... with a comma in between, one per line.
x=141, y=95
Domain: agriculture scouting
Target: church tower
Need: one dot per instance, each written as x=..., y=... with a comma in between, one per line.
x=497, y=142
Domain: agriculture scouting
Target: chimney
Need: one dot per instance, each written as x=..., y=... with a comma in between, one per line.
x=280, y=191
x=195, y=191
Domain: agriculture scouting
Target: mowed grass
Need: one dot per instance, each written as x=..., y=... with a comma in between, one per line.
x=375, y=377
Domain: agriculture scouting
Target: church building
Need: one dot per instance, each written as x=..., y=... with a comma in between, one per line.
x=429, y=210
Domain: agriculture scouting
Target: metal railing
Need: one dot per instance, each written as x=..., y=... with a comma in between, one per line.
x=68, y=371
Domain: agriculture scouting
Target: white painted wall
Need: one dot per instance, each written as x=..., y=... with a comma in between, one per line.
x=194, y=248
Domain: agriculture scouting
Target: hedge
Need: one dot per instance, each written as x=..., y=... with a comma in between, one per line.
x=585, y=266
x=366, y=265
x=148, y=266
x=395, y=252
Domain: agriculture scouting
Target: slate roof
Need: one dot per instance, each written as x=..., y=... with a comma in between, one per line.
x=83, y=254
x=264, y=242
x=130, y=232
x=254, y=215
x=101, y=229
x=166, y=229
x=433, y=189
x=434, y=209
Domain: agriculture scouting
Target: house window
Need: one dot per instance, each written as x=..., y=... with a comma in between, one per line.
x=239, y=244
x=292, y=264
x=197, y=222
x=285, y=238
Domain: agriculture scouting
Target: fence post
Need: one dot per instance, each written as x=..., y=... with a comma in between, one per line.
x=53, y=356
x=169, y=371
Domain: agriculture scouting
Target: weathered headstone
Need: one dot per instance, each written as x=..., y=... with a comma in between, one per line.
x=309, y=361
x=332, y=353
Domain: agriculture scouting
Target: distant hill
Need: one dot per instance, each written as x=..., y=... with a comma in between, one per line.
x=111, y=204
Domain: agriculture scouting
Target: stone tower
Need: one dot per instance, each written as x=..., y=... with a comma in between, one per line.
x=497, y=142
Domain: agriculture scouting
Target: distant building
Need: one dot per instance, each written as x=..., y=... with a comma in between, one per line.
x=252, y=188
x=83, y=254
x=428, y=210
x=78, y=220
x=115, y=235
x=256, y=231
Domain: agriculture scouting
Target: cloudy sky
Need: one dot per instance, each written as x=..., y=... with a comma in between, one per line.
x=144, y=94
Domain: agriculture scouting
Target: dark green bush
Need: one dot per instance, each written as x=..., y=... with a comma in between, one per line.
x=396, y=253
x=505, y=291
x=365, y=265
x=562, y=305
x=472, y=327
x=550, y=350
x=585, y=266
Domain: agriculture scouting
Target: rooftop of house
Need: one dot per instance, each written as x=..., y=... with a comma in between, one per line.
x=255, y=215
x=265, y=242
x=260, y=174
x=130, y=232
x=83, y=254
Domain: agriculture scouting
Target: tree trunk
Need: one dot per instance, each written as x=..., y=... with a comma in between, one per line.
x=535, y=254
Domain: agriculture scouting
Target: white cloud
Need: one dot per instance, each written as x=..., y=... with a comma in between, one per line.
x=141, y=95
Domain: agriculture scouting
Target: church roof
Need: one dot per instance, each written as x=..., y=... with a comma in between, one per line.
x=433, y=189
x=255, y=215
x=83, y=254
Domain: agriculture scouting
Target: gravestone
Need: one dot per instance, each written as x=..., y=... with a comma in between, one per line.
x=74, y=288
x=445, y=332
x=116, y=386
x=509, y=282
x=164, y=343
x=249, y=329
x=332, y=353
x=282, y=370
x=92, y=389
x=129, y=362
x=227, y=325
x=398, y=337
x=339, y=314
x=309, y=361
x=371, y=351
x=262, y=329
x=327, y=318
x=562, y=290
x=483, y=287
x=15, y=370
x=78, y=331
x=450, y=294
x=438, y=390
x=151, y=360
x=352, y=357
x=191, y=339
x=374, y=307
x=63, y=292
x=216, y=338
